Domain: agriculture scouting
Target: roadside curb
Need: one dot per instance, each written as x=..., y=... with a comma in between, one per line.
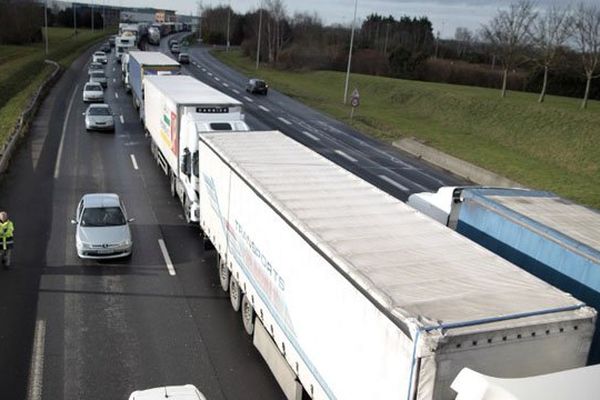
x=455, y=165
x=26, y=117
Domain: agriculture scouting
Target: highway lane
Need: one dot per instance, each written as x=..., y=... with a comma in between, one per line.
x=76, y=329
x=382, y=165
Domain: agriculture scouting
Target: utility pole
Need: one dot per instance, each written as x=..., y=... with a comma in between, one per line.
x=259, y=35
x=228, y=23
x=75, y=18
x=103, y=14
x=92, y=16
x=46, y=23
x=350, y=53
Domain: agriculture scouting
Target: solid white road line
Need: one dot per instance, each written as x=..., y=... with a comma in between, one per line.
x=236, y=91
x=165, y=253
x=265, y=109
x=116, y=95
x=122, y=119
x=248, y=99
x=36, y=370
x=134, y=162
x=62, y=136
x=346, y=156
x=285, y=121
x=394, y=183
x=310, y=135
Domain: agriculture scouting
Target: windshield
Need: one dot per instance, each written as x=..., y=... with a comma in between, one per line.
x=98, y=74
x=99, y=111
x=103, y=216
x=93, y=88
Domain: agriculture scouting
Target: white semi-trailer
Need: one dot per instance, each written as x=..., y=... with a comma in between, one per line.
x=177, y=111
x=123, y=44
x=356, y=295
x=141, y=64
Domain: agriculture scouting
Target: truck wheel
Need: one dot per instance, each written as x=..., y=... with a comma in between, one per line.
x=247, y=315
x=235, y=294
x=224, y=275
x=173, y=185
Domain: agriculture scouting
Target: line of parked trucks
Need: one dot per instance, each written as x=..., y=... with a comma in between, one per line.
x=349, y=293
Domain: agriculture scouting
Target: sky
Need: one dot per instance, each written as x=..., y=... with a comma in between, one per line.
x=446, y=15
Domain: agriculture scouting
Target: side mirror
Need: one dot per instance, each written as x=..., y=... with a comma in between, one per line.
x=73, y=222
x=131, y=220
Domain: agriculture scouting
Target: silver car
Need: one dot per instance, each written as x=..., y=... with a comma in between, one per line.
x=99, y=77
x=95, y=66
x=100, y=57
x=93, y=92
x=102, y=227
x=99, y=117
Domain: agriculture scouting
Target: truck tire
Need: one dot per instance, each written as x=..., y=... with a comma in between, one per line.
x=224, y=275
x=247, y=315
x=235, y=294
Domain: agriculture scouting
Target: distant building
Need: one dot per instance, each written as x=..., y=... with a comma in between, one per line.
x=163, y=16
x=136, y=16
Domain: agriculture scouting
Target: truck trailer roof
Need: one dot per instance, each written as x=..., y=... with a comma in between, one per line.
x=418, y=272
x=153, y=58
x=185, y=90
x=559, y=219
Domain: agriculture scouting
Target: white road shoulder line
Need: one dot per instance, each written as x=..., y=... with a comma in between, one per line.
x=265, y=109
x=285, y=121
x=62, y=135
x=248, y=99
x=165, y=253
x=36, y=370
x=122, y=119
x=346, y=156
x=134, y=162
x=394, y=183
x=310, y=135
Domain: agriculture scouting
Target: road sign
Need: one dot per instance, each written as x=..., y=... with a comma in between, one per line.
x=355, y=99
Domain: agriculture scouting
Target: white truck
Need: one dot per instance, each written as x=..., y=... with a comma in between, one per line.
x=123, y=44
x=351, y=294
x=141, y=64
x=177, y=111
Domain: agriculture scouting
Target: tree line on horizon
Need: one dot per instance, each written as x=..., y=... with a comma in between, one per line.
x=555, y=50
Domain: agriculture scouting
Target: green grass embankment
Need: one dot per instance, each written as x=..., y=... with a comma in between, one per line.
x=551, y=146
x=22, y=70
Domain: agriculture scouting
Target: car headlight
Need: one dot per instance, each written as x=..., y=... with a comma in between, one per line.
x=126, y=242
x=83, y=245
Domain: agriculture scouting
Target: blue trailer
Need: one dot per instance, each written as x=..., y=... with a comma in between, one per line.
x=142, y=63
x=550, y=237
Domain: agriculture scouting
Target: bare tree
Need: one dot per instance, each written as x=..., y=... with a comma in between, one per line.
x=508, y=33
x=463, y=37
x=550, y=32
x=275, y=30
x=587, y=37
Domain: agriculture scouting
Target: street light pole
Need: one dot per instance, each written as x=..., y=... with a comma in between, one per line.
x=259, y=35
x=350, y=53
x=46, y=23
x=228, y=23
x=92, y=16
x=75, y=18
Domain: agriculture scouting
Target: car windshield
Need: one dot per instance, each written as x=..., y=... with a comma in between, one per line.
x=96, y=66
x=99, y=111
x=260, y=83
x=98, y=74
x=99, y=54
x=93, y=88
x=103, y=216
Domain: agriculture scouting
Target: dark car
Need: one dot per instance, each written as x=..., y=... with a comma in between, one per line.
x=172, y=42
x=111, y=41
x=105, y=48
x=175, y=48
x=257, y=86
x=183, y=58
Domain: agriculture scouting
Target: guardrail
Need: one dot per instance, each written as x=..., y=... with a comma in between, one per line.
x=7, y=150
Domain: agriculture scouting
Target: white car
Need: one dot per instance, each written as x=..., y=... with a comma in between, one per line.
x=100, y=57
x=99, y=117
x=102, y=227
x=93, y=92
x=183, y=392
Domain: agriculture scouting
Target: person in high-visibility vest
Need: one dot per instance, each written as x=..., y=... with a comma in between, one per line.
x=7, y=230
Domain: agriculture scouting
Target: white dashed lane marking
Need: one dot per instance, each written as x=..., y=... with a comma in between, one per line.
x=346, y=156
x=393, y=183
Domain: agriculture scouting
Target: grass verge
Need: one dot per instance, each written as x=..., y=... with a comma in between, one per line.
x=22, y=70
x=551, y=146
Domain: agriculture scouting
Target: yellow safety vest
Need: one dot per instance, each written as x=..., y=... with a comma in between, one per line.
x=6, y=233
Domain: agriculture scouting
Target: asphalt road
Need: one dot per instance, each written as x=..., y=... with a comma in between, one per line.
x=73, y=329
x=382, y=165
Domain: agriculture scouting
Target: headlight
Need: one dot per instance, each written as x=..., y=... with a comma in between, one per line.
x=83, y=245
x=125, y=242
